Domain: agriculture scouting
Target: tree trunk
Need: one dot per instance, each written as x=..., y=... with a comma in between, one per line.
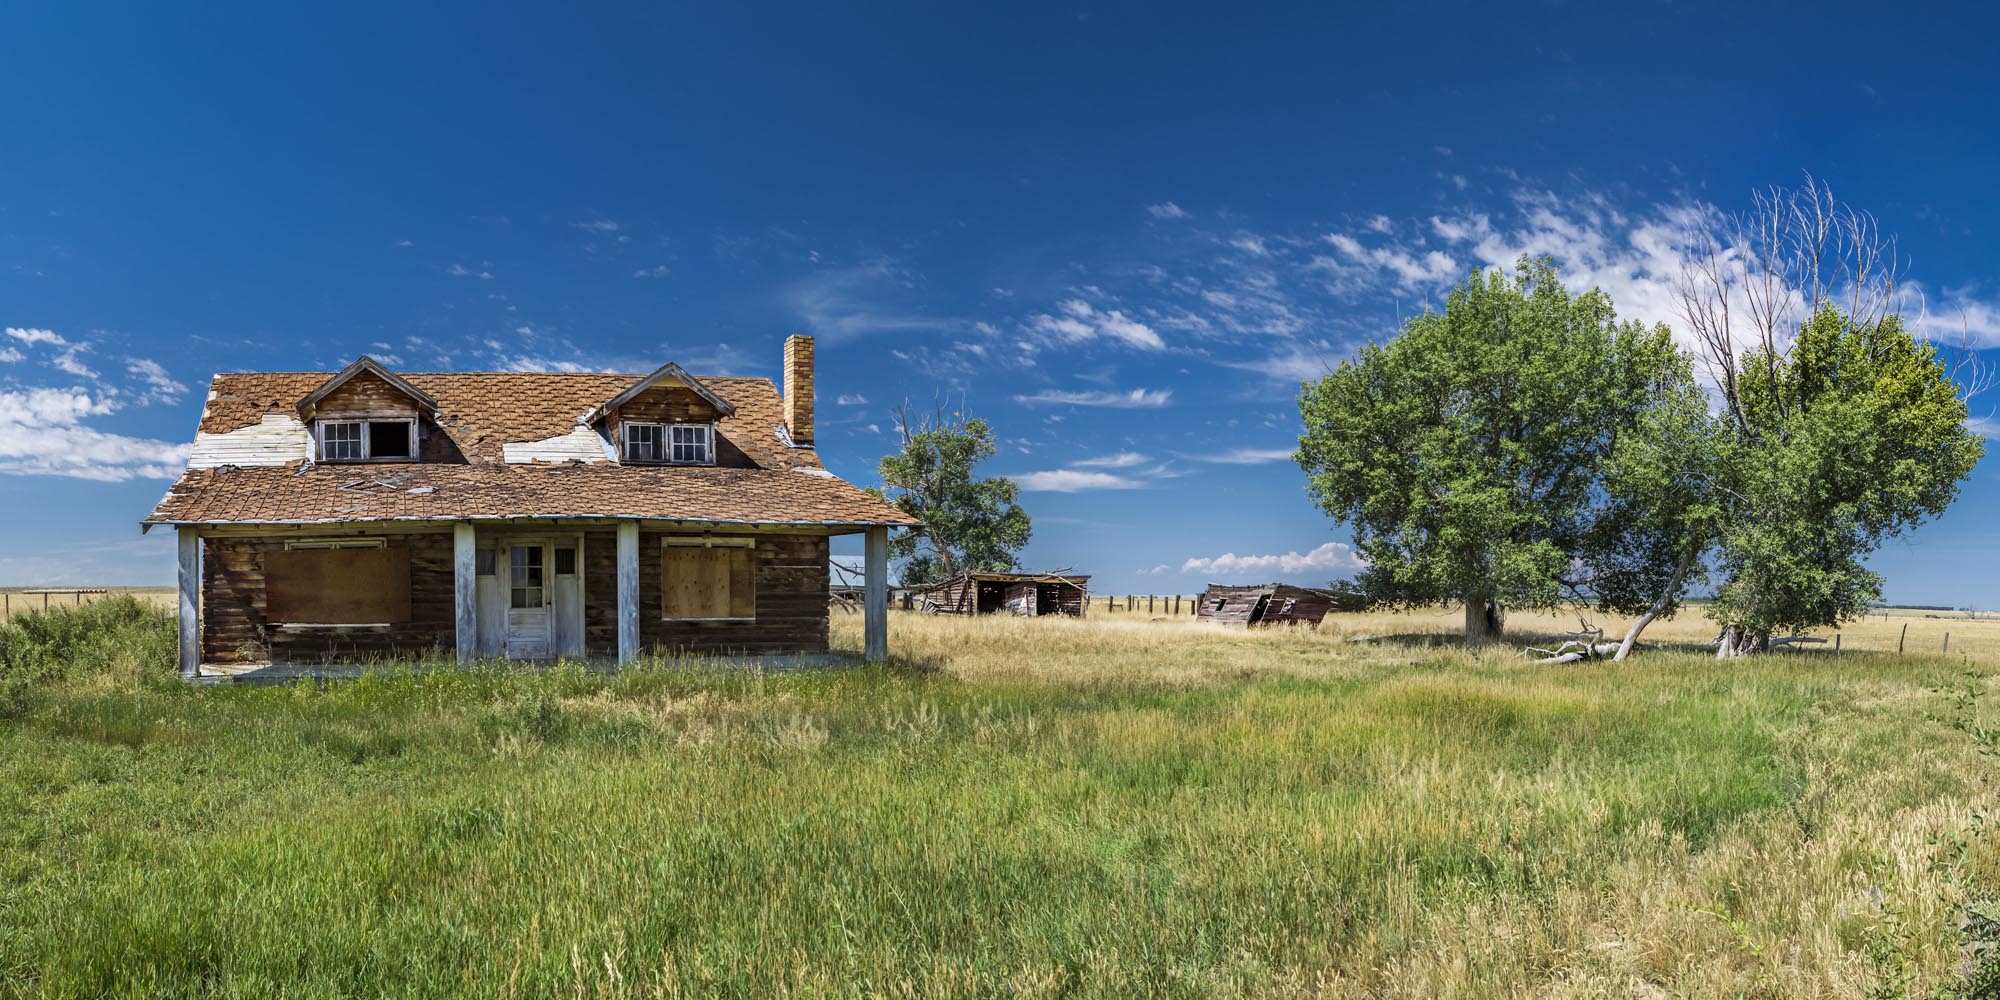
x=1484, y=621
x=1659, y=605
x=1739, y=641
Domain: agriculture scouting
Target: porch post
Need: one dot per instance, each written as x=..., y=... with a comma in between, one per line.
x=875, y=596
x=190, y=590
x=464, y=589
x=628, y=591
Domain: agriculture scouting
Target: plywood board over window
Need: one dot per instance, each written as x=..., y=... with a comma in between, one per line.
x=337, y=586
x=707, y=582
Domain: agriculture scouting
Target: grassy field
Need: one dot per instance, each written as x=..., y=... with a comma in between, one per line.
x=1107, y=808
x=21, y=600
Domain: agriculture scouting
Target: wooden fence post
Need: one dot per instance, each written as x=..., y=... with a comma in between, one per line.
x=1947, y=643
x=1149, y=604
x=1836, y=642
x=1905, y=634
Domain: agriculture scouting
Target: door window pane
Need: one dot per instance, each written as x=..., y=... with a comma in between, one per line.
x=524, y=566
x=565, y=562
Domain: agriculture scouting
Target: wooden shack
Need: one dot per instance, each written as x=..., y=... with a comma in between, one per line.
x=1271, y=604
x=1027, y=595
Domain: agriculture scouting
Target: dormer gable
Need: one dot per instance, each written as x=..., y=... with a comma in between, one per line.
x=667, y=376
x=365, y=413
x=666, y=418
x=365, y=388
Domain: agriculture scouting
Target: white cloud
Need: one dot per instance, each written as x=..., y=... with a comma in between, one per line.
x=1074, y=481
x=656, y=271
x=1330, y=557
x=879, y=295
x=1244, y=456
x=42, y=433
x=1137, y=399
x=850, y=399
x=1252, y=245
x=68, y=362
x=461, y=271
x=9, y=355
x=1986, y=427
x=32, y=336
x=1168, y=210
x=1119, y=460
x=1080, y=321
x=597, y=226
x=531, y=364
x=161, y=387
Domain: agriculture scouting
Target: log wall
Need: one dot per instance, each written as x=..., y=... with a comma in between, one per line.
x=234, y=627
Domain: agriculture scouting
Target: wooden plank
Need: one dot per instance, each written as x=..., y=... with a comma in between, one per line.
x=465, y=593
x=742, y=583
x=628, y=591
x=875, y=603
x=190, y=602
x=337, y=586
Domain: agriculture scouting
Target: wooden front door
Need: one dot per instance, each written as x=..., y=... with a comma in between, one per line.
x=529, y=597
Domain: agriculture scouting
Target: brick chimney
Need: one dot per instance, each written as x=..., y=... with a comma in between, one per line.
x=799, y=388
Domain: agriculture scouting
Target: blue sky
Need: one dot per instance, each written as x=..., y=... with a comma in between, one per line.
x=1122, y=233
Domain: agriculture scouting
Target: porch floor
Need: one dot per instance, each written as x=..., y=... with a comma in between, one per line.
x=285, y=673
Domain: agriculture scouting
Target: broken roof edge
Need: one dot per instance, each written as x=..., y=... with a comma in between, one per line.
x=361, y=364
x=660, y=374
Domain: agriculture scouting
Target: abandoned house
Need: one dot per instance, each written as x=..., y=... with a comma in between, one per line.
x=369, y=513
x=1028, y=595
x=1271, y=604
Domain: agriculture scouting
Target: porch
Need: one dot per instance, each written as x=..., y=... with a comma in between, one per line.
x=289, y=672
x=274, y=602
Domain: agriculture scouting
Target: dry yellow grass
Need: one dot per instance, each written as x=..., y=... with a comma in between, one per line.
x=19, y=600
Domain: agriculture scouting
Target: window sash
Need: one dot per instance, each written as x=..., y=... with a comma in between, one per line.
x=691, y=444
x=645, y=442
x=352, y=440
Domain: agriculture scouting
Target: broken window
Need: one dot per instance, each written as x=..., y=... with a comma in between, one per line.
x=702, y=581
x=645, y=443
x=367, y=440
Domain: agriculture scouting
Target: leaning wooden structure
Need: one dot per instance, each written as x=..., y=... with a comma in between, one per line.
x=1027, y=595
x=1271, y=604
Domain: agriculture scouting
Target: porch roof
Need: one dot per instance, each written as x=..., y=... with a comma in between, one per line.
x=321, y=494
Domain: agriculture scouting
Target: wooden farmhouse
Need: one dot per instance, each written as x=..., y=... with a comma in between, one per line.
x=368, y=513
x=1027, y=595
x=1271, y=604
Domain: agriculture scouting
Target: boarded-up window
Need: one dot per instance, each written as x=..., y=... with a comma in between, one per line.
x=344, y=586
x=700, y=582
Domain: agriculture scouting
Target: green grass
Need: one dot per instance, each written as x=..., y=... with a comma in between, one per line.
x=1369, y=825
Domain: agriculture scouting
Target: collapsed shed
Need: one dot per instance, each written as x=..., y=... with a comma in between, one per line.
x=1272, y=604
x=1028, y=595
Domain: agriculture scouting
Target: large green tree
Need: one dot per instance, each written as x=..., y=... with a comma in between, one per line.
x=1466, y=453
x=969, y=524
x=1835, y=427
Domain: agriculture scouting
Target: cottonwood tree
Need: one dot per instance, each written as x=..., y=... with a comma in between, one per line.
x=1467, y=453
x=969, y=524
x=1841, y=429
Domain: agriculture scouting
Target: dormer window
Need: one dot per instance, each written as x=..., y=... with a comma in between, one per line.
x=669, y=444
x=367, y=440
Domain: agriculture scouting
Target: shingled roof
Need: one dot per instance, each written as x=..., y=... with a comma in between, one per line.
x=479, y=412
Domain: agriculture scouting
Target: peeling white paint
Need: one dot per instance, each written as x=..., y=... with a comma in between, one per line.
x=277, y=439
x=580, y=445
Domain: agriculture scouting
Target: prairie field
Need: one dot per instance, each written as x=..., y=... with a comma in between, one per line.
x=1112, y=807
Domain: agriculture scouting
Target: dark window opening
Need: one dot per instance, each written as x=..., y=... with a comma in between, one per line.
x=389, y=439
x=565, y=562
x=483, y=562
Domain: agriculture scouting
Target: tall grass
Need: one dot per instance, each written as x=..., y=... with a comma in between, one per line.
x=1017, y=808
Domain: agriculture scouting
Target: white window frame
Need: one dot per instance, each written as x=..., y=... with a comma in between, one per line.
x=319, y=438
x=668, y=435
x=625, y=444
x=703, y=437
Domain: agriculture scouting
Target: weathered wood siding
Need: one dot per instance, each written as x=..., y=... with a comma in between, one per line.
x=791, y=575
x=678, y=404
x=1269, y=604
x=366, y=395
x=988, y=595
x=234, y=627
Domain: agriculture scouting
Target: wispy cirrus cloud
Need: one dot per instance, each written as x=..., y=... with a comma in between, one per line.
x=1135, y=399
x=1075, y=481
x=1168, y=210
x=1077, y=321
x=1242, y=456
